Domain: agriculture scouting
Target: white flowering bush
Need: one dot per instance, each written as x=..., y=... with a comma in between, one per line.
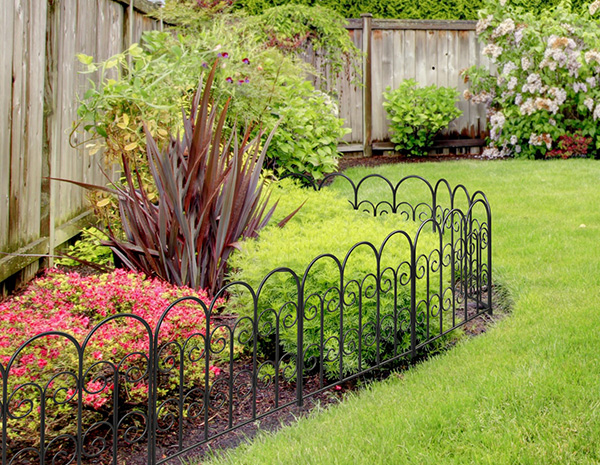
x=545, y=85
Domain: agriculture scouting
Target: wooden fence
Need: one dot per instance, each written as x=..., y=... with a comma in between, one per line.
x=432, y=52
x=39, y=85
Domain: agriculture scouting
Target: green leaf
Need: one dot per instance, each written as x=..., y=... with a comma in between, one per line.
x=85, y=59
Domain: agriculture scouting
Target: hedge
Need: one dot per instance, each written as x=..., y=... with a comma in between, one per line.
x=404, y=9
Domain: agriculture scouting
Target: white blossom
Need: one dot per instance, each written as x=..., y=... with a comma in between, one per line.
x=594, y=7
x=527, y=108
x=573, y=65
x=483, y=24
x=592, y=81
x=490, y=152
x=592, y=55
x=534, y=83
x=558, y=42
x=512, y=83
x=492, y=50
x=482, y=97
x=525, y=63
x=541, y=139
x=497, y=121
x=559, y=94
x=519, y=35
x=506, y=94
x=550, y=64
x=589, y=103
x=514, y=139
x=505, y=27
x=509, y=67
x=518, y=148
x=596, y=114
x=580, y=87
x=567, y=27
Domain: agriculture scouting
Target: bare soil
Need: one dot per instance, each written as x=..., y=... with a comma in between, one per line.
x=346, y=162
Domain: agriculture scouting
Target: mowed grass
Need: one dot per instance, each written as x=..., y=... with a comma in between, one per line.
x=527, y=391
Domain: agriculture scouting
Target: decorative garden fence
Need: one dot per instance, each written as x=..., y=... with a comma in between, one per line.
x=213, y=379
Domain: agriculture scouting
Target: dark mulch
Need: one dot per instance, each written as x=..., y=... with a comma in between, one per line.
x=388, y=159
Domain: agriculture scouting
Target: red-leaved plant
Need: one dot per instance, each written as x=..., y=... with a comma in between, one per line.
x=570, y=146
x=209, y=188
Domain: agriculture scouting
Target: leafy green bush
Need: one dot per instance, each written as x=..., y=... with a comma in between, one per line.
x=151, y=82
x=404, y=9
x=417, y=114
x=546, y=84
x=296, y=27
x=306, y=141
x=322, y=227
x=88, y=248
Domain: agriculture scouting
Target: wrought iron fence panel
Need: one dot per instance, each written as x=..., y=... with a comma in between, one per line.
x=240, y=363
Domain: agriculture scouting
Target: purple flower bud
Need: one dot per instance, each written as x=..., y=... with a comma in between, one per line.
x=229, y=79
x=223, y=55
x=247, y=80
x=246, y=61
x=205, y=65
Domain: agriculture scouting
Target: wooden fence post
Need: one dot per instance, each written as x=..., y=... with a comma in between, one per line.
x=367, y=116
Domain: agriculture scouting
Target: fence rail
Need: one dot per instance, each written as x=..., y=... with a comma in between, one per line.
x=212, y=379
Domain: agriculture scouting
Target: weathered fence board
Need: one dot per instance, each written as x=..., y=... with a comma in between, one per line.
x=39, y=88
x=6, y=57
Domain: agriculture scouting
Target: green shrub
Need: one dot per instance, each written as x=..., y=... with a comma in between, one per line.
x=417, y=114
x=306, y=140
x=294, y=28
x=546, y=83
x=321, y=227
x=89, y=248
x=263, y=80
x=404, y=9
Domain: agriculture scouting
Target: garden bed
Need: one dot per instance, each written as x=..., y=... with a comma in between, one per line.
x=383, y=303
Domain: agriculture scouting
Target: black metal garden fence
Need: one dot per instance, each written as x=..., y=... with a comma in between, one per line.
x=233, y=370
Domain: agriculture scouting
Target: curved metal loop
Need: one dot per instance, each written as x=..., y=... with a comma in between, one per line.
x=134, y=434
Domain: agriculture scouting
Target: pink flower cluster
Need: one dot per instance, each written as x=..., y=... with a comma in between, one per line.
x=74, y=304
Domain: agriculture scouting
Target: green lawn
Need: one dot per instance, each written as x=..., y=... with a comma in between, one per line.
x=528, y=391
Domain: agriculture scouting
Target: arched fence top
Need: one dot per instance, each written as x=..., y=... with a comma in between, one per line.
x=438, y=192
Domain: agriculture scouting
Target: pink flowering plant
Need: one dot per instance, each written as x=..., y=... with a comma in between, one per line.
x=43, y=373
x=545, y=79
